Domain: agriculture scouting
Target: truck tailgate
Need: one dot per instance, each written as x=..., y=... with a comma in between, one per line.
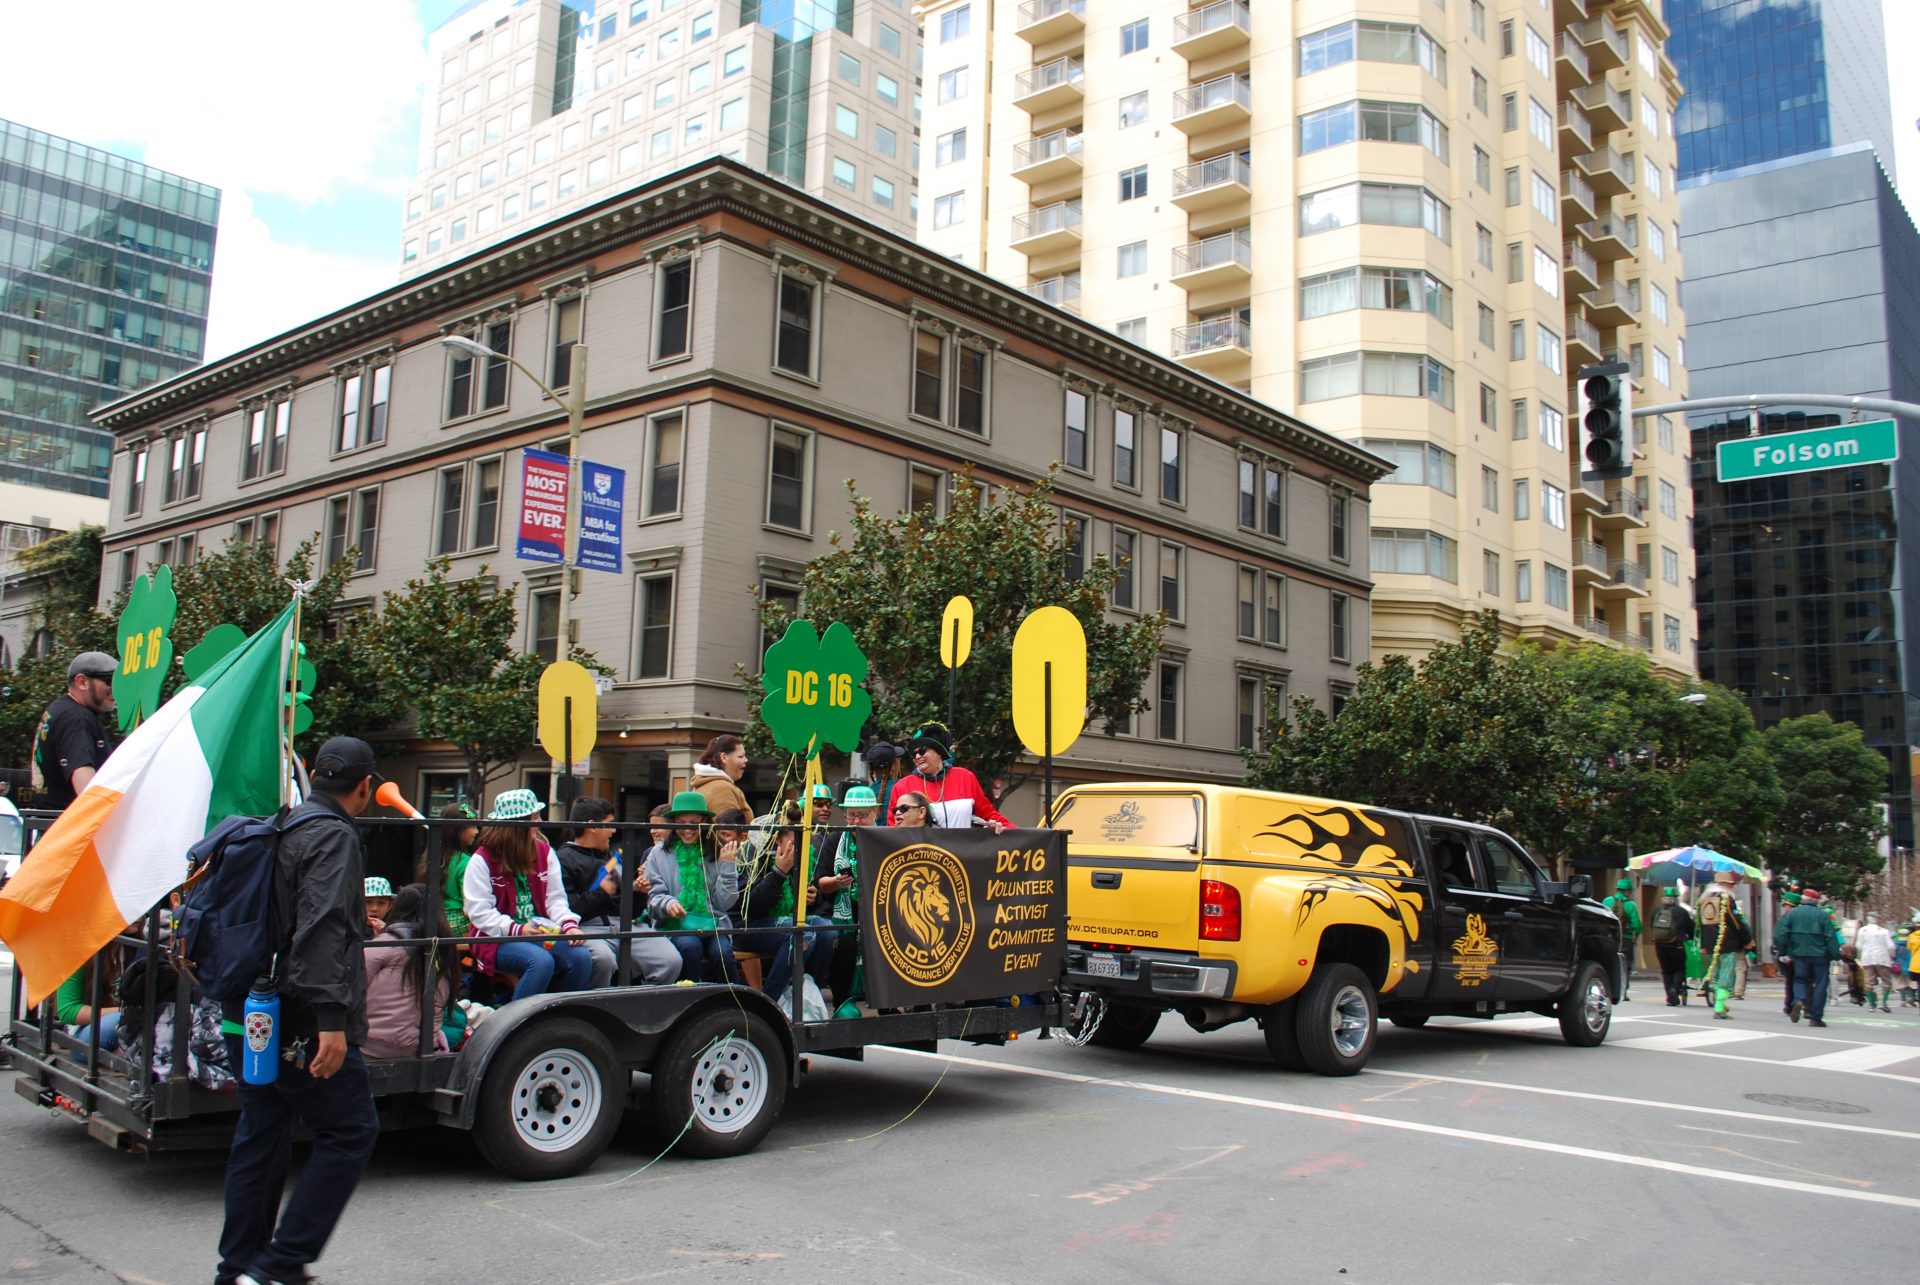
x=1133, y=867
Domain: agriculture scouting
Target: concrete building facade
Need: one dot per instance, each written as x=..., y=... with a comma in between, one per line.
x=1413, y=222
x=751, y=347
x=536, y=108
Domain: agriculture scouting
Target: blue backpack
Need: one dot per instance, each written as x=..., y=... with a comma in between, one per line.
x=233, y=916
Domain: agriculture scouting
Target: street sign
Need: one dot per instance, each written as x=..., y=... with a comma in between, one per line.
x=543, y=505
x=568, y=734
x=1874, y=442
x=603, y=491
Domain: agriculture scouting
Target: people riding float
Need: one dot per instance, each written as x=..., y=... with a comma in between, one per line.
x=397, y=977
x=514, y=888
x=696, y=884
x=716, y=777
x=379, y=898
x=953, y=793
x=593, y=873
x=773, y=896
x=861, y=807
x=457, y=843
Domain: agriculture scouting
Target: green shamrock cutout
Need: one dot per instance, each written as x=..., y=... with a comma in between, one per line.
x=211, y=650
x=145, y=649
x=302, y=693
x=815, y=693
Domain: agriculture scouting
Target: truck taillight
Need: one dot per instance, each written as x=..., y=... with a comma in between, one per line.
x=1219, y=911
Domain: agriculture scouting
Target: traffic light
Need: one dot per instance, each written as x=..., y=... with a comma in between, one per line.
x=1606, y=411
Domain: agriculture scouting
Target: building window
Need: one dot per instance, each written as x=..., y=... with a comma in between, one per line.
x=929, y=372
x=1557, y=594
x=1171, y=677
x=470, y=391
x=846, y=174
x=1519, y=409
x=950, y=209
x=926, y=491
x=970, y=388
x=1489, y=406
x=1133, y=110
x=795, y=326
x=1379, y=122
x=1547, y=348
x=1247, y=618
x=1670, y=632
x=267, y=429
x=566, y=336
x=1133, y=183
x=653, y=627
x=1522, y=499
x=1133, y=259
x=136, y=481
x=1262, y=496
x=1490, y=572
x=956, y=23
x=1416, y=464
x=673, y=310
x=1523, y=582
x=789, y=478
x=450, y=526
x=1662, y=368
x=1392, y=289
x=1171, y=556
x=1539, y=52
x=1375, y=42
x=950, y=147
x=1073, y=544
x=544, y=623
x=1489, y=489
x=882, y=191
x=1133, y=37
x=1546, y=203
x=660, y=470
x=364, y=398
x=186, y=462
x=1337, y=608
x=353, y=523
x=1482, y=168
x=1553, y=428
x=952, y=85
x=1669, y=500
x=1553, y=506
x=1337, y=502
x=1173, y=470
x=1670, y=565
x=1383, y=374
x=1417, y=553
x=1125, y=545
x=1074, y=450
x=1125, y=448
x=1273, y=609
x=1390, y=204
x=1479, y=84
x=1516, y=341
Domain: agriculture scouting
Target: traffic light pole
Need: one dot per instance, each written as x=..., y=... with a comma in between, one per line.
x=1754, y=401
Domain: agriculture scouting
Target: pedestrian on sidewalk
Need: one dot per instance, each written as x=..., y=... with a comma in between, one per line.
x=1874, y=945
x=1807, y=946
x=1911, y=948
x=1621, y=904
x=1669, y=926
x=1723, y=939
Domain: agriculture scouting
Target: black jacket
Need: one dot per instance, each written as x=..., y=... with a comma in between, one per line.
x=323, y=975
x=581, y=870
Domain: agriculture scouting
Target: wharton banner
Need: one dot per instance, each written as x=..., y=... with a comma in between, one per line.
x=948, y=916
x=603, y=491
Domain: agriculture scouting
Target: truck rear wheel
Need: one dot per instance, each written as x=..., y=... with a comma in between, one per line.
x=551, y=1100
x=1337, y=1019
x=1125, y=1026
x=1283, y=1036
x=719, y=1084
x=1586, y=1010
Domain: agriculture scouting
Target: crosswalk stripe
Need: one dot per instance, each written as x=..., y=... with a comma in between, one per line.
x=1679, y=1041
x=1868, y=1057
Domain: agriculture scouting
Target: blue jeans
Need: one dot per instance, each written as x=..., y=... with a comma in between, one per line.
x=764, y=940
x=109, y=1031
x=706, y=959
x=1808, y=984
x=339, y=1110
x=566, y=967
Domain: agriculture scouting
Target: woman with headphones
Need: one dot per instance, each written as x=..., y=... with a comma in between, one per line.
x=953, y=793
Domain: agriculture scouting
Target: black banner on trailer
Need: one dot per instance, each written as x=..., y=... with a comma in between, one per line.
x=948, y=916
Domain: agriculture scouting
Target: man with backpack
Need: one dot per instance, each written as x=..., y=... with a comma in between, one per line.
x=319, y=924
x=1723, y=939
x=1669, y=926
x=1621, y=904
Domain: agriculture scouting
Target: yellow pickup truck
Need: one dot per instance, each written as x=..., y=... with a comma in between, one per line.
x=1315, y=917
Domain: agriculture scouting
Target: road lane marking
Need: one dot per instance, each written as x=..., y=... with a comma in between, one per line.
x=1689, y=1039
x=1729, y=1133
x=1686, y=1041
x=1781, y=1164
x=1723, y=1112
x=1868, y=1057
x=1415, y=1126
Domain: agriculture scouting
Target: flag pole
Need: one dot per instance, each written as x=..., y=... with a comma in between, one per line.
x=289, y=669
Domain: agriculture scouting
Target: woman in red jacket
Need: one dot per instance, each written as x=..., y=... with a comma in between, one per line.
x=953, y=792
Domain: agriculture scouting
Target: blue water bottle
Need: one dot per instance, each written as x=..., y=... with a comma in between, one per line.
x=260, y=1034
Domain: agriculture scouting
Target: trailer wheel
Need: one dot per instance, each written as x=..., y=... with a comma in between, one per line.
x=550, y=1102
x=1283, y=1037
x=1336, y=1021
x=1586, y=1010
x=719, y=1084
x=1125, y=1026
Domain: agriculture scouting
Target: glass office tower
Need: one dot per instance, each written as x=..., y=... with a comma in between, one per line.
x=105, y=265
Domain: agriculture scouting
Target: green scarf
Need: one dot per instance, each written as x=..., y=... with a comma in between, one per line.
x=693, y=878
x=844, y=863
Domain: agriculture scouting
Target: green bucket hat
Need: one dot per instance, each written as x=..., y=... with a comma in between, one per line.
x=689, y=801
x=515, y=805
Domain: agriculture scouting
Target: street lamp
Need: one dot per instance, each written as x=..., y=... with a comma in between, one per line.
x=575, y=404
x=1694, y=698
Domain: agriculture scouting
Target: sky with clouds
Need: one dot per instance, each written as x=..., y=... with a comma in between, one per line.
x=307, y=117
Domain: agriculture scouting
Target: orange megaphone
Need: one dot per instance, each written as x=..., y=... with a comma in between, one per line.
x=389, y=796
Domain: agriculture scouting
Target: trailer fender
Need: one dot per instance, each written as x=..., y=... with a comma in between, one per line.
x=637, y=1020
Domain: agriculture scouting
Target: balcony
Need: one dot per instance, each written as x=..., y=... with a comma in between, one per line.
x=1595, y=625
x=1049, y=228
x=1624, y=512
x=1062, y=291
x=1609, y=238
x=1569, y=11
x=1576, y=135
x=1582, y=270
x=1606, y=44
x=1571, y=62
x=1607, y=170
x=1050, y=85
x=1627, y=579
x=1583, y=341
x=1041, y=21
x=1211, y=29
x=1216, y=344
x=1589, y=560
x=1048, y=156
x=1214, y=104
x=1577, y=200
x=1587, y=495
x=1607, y=108
x=1221, y=260
x=1612, y=306
x=1212, y=183
x=1639, y=642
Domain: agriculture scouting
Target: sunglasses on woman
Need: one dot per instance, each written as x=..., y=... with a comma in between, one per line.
x=909, y=807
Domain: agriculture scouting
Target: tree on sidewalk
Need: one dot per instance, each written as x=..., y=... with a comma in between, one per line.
x=1828, y=829
x=890, y=579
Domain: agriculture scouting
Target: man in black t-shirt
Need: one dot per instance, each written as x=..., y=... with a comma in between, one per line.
x=70, y=745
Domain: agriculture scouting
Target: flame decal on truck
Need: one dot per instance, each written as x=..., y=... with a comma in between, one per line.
x=1369, y=867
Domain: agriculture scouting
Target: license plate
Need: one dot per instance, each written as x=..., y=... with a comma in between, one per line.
x=1102, y=966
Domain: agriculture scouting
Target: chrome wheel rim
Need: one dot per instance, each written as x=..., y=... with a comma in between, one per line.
x=729, y=1085
x=1597, y=1006
x=1350, y=1021
x=556, y=1099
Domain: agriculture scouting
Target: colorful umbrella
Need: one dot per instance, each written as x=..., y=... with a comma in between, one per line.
x=1686, y=865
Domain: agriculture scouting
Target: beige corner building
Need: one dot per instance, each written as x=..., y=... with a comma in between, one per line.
x=1411, y=223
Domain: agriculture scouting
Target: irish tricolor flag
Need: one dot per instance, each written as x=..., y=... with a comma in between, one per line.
x=211, y=752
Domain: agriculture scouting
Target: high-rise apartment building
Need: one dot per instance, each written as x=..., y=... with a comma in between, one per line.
x=104, y=270
x=1411, y=224
x=536, y=108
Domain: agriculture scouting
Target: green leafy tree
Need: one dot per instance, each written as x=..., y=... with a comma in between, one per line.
x=1829, y=822
x=890, y=578
x=64, y=570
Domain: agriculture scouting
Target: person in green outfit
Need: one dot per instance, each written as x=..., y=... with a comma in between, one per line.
x=862, y=808
x=457, y=843
x=1723, y=937
x=1622, y=905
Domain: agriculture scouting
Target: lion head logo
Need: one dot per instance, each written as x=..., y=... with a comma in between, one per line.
x=923, y=913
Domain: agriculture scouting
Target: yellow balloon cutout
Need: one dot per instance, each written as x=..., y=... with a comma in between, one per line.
x=1050, y=646
x=955, y=650
x=558, y=682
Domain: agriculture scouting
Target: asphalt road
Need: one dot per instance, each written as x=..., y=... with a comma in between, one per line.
x=1683, y=1149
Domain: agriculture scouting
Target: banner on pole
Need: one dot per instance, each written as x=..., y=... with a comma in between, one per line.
x=543, y=506
x=949, y=916
x=603, y=490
